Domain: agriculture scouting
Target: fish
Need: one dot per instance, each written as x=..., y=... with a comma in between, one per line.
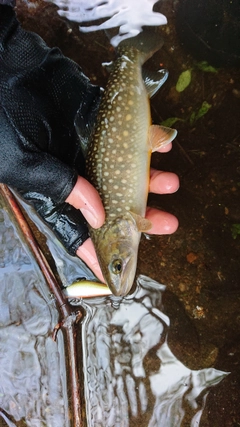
x=118, y=159
x=86, y=289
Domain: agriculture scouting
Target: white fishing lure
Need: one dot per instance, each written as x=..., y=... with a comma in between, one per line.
x=129, y=15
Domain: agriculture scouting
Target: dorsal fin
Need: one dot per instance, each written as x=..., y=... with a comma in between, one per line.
x=153, y=80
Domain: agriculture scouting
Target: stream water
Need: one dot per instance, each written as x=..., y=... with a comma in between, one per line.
x=33, y=387
x=131, y=376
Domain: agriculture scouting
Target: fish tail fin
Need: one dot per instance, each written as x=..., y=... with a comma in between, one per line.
x=147, y=43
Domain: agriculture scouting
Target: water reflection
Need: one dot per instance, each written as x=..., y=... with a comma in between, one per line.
x=131, y=375
x=33, y=389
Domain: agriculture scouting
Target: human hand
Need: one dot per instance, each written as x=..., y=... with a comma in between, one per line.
x=41, y=93
x=85, y=196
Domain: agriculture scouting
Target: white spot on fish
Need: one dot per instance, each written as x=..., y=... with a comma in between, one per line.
x=123, y=65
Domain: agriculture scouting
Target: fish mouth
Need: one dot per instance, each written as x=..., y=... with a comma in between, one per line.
x=120, y=290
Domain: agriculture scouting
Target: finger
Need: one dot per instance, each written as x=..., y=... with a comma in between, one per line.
x=163, y=182
x=87, y=253
x=86, y=198
x=162, y=222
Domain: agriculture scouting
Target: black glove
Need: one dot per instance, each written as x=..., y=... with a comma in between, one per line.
x=40, y=94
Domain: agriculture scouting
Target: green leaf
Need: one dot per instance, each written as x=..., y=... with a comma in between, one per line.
x=203, y=110
x=235, y=229
x=200, y=113
x=205, y=66
x=170, y=121
x=184, y=80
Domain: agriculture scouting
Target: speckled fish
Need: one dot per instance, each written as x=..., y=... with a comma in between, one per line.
x=118, y=159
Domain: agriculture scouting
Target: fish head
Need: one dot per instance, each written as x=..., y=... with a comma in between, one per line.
x=117, y=253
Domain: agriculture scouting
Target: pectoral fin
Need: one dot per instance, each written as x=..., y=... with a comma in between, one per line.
x=143, y=224
x=159, y=136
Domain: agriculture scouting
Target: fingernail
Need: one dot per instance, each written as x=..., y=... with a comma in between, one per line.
x=90, y=217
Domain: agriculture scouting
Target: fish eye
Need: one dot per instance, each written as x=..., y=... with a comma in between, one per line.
x=117, y=266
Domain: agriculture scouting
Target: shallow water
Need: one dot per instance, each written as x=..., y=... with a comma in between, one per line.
x=130, y=375
x=33, y=389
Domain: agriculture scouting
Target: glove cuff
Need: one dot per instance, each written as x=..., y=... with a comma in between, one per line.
x=67, y=223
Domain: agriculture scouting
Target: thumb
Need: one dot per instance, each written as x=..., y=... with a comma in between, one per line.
x=86, y=198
